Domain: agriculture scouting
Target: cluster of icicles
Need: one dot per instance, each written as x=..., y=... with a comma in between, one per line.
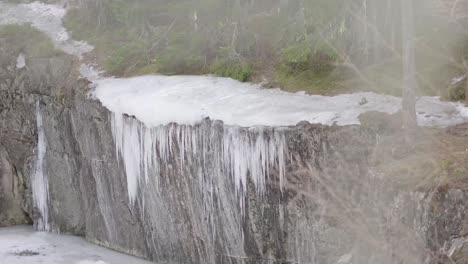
x=241, y=152
x=40, y=182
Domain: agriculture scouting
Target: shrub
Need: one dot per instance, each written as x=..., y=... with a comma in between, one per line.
x=302, y=56
x=296, y=56
x=235, y=69
x=457, y=92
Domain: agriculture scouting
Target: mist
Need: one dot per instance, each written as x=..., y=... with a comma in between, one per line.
x=234, y=131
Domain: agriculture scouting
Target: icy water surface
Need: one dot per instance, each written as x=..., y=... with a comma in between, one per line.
x=23, y=245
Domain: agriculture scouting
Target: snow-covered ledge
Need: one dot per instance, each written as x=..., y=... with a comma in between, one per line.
x=186, y=100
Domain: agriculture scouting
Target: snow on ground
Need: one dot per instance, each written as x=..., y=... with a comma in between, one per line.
x=46, y=18
x=90, y=72
x=23, y=245
x=159, y=100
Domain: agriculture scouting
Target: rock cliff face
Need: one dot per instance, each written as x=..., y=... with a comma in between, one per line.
x=323, y=199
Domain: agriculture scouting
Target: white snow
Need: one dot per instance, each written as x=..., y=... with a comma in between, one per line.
x=46, y=18
x=54, y=249
x=92, y=262
x=345, y=259
x=160, y=100
x=90, y=72
x=40, y=181
x=20, y=61
x=458, y=79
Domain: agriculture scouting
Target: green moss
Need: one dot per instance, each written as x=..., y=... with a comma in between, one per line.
x=235, y=69
x=308, y=80
x=305, y=66
x=25, y=38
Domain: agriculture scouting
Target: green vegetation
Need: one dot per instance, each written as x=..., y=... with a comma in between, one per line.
x=457, y=92
x=304, y=66
x=24, y=38
x=226, y=38
x=233, y=69
x=229, y=64
x=317, y=46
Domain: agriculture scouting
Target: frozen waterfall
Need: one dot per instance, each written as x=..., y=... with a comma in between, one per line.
x=39, y=182
x=159, y=118
x=242, y=152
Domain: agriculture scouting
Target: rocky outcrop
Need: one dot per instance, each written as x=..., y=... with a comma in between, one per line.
x=334, y=203
x=14, y=203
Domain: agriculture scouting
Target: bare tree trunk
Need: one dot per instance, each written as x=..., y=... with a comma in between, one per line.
x=466, y=88
x=409, y=66
x=374, y=23
x=366, y=29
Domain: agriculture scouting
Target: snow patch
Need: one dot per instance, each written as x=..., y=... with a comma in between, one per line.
x=432, y=112
x=20, y=61
x=90, y=72
x=458, y=79
x=345, y=259
x=92, y=262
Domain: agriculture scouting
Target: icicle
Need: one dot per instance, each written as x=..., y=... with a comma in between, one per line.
x=40, y=182
x=244, y=153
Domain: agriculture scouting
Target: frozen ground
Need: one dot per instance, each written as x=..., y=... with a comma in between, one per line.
x=22, y=245
x=159, y=100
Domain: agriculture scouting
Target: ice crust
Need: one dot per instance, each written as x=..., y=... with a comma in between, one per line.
x=23, y=245
x=186, y=100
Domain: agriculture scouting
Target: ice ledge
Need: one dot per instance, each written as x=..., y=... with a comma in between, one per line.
x=186, y=100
